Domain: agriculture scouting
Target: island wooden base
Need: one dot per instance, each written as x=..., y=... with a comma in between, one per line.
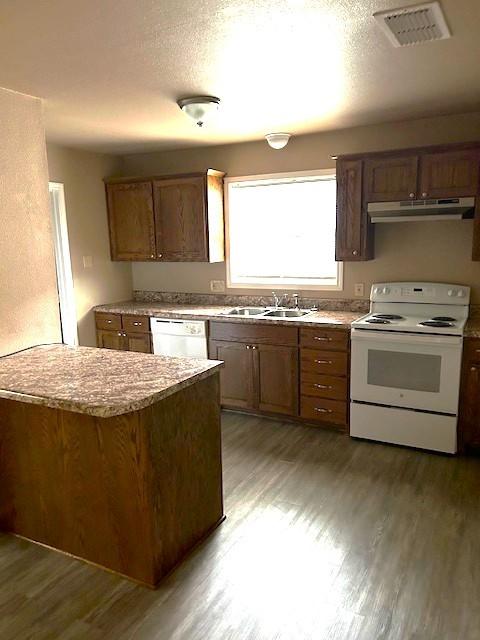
x=132, y=493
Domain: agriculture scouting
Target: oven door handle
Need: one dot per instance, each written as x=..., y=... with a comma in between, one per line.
x=393, y=337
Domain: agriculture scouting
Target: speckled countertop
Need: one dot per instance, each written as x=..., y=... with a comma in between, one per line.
x=196, y=312
x=98, y=382
x=472, y=329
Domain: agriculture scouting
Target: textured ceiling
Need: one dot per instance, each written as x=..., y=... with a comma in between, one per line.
x=111, y=70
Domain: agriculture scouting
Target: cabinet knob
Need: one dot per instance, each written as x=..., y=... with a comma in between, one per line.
x=424, y=194
x=354, y=252
x=152, y=255
x=411, y=195
x=109, y=322
x=159, y=255
x=120, y=333
x=473, y=368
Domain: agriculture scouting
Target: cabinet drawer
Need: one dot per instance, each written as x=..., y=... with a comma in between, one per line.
x=137, y=324
x=108, y=321
x=328, y=362
x=322, y=410
x=320, y=386
x=253, y=333
x=331, y=339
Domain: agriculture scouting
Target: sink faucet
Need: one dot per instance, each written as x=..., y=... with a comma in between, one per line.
x=277, y=300
x=295, y=300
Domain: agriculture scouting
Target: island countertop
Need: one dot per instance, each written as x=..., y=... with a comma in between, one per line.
x=97, y=382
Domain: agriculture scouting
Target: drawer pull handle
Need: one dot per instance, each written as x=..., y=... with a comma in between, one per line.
x=137, y=324
x=109, y=321
x=321, y=410
x=322, y=386
x=324, y=361
x=322, y=339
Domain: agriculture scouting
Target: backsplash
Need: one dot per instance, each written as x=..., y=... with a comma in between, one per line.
x=226, y=300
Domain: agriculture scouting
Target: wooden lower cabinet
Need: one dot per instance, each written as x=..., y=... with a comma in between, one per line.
x=261, y=377
x=237, y=377
x=121, y=341
x=110, y=340
x=469, y=407
x=140, y=342
x=324, y=376
x=123, y=332
x=276, y=379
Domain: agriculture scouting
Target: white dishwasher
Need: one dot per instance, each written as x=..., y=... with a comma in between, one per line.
x=182, y=338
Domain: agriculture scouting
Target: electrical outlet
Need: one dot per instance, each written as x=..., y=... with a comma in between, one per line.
x=87, y=262
x=359, y=289
x=217, y=286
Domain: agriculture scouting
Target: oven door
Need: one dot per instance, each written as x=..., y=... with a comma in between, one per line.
x=416, y=371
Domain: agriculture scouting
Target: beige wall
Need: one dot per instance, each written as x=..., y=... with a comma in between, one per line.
x=82, y=174
x=28, y=294
x=438, y=251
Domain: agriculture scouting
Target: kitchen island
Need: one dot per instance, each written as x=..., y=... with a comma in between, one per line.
x=112, y=457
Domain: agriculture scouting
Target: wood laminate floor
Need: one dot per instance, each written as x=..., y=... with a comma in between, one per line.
x=326, y=538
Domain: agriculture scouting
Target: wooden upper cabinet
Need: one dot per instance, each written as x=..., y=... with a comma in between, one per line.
x=168, y=218
x=181, y=219
x=351, y=242
x=131, y=221
x=449, y=174
x=388, y=179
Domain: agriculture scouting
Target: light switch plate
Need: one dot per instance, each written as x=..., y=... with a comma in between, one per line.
x=359, y=289
x=87, y=262
x=217, y=286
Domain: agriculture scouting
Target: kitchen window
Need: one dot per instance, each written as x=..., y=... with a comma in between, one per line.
x=281, y=231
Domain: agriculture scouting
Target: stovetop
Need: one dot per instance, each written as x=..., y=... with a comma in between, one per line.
x=417, y=308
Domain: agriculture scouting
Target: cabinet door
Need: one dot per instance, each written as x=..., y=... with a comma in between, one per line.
x=469, y=406
x=388, y=179
x=139, y=342
x=131, y=222
x=180, y=219
x=111, y=340
x=449, y=174
x=354, y=235
x=276, y=377
x=236, y=377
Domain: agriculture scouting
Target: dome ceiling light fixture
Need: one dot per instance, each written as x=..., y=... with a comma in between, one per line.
x=199, y=108
x=277, y=140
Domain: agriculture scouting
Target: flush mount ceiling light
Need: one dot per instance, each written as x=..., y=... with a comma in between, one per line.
x=199, y=108
x=277, y=140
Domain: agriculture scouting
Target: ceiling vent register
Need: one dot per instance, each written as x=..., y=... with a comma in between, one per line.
x=414, y=25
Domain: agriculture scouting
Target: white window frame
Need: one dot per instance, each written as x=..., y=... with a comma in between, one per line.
x=301, y=175
x=63, y=262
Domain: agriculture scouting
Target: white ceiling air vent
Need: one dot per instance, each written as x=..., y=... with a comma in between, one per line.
x=413, y=25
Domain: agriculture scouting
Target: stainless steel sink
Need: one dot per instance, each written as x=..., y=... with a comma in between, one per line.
x=286, y=313
x=247, y=311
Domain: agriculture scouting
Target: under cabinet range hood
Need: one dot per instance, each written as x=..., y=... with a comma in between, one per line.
x=406, y=210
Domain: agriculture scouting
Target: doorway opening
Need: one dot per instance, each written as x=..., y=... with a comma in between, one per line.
x=66, y=294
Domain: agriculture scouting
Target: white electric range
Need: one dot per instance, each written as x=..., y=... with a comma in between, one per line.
x=406, y=363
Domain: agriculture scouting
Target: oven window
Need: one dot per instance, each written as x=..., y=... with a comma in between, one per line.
x=413, y=371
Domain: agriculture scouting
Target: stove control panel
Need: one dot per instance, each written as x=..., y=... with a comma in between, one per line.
x=428, y=293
